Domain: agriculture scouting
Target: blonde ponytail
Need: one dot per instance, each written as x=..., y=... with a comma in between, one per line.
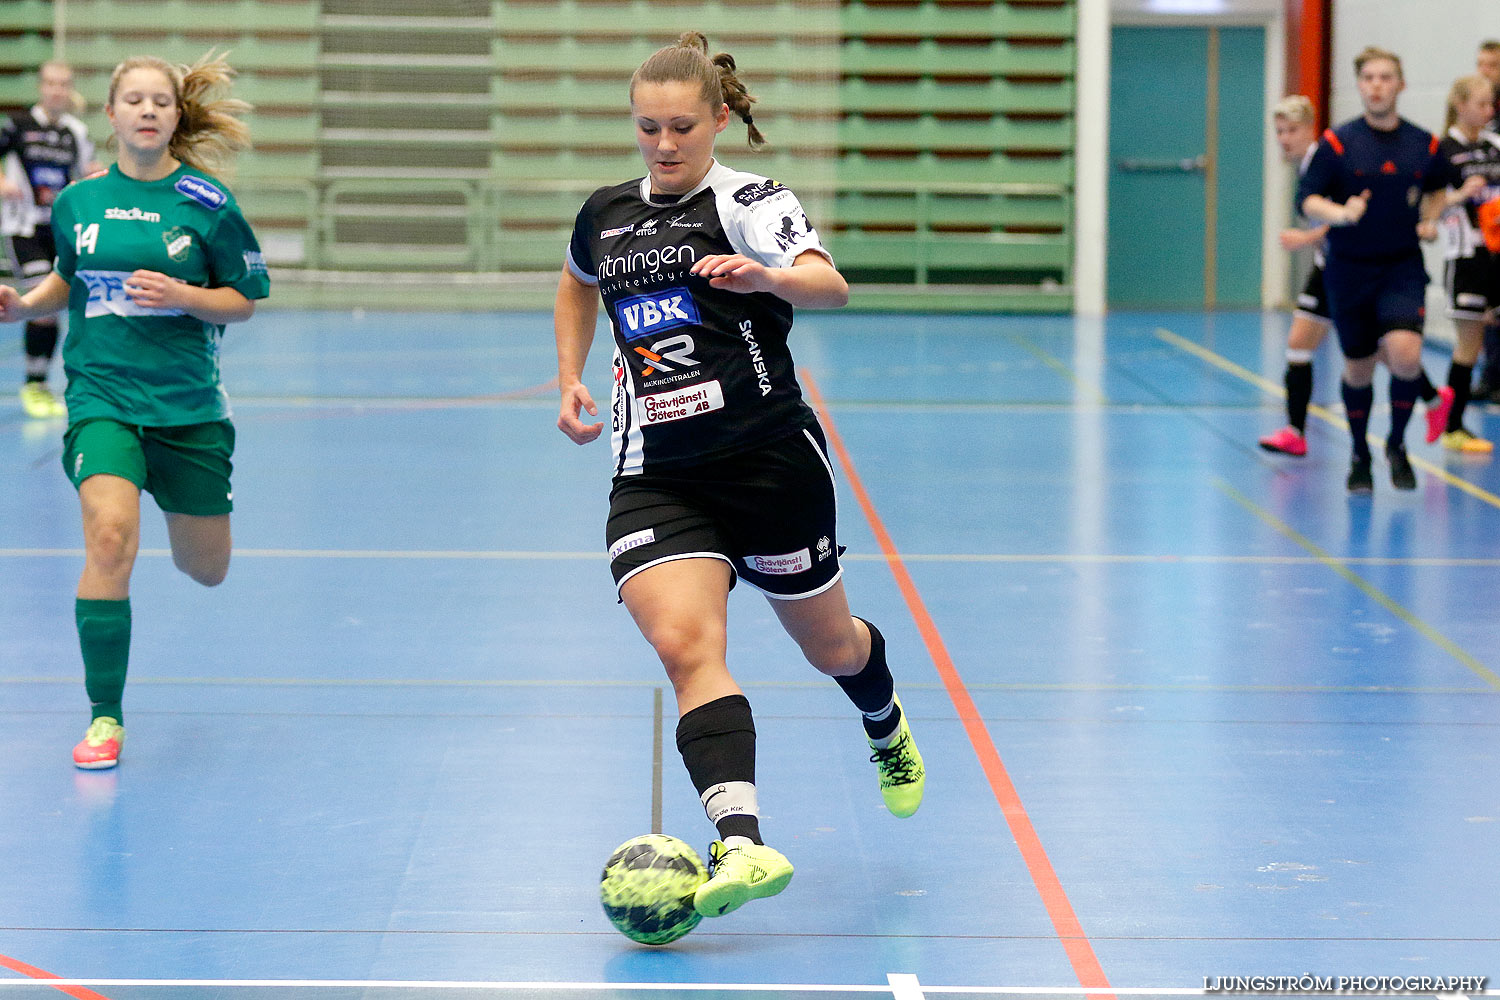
x=209, y=129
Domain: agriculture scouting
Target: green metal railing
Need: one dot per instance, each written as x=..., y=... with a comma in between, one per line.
x=897, y=240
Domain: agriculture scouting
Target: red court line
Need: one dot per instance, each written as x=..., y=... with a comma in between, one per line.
x=1069, y=931
x=32, y=972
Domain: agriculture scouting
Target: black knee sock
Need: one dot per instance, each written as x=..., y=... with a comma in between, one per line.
x=1299, y=384
x=873, y=690
x=717, y=743
x=41, y=343
x=1357, y=409
x=1425, y=392
x=1461, y=381
x=1404, y=393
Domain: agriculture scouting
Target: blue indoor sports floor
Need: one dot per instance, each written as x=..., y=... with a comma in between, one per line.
x=1188, y=709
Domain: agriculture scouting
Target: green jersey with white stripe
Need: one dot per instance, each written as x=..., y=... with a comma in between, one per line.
x=151, y=367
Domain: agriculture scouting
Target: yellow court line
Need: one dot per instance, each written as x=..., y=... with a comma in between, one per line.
x=1377, y=595
x=1224, y=364
x=1060, y=367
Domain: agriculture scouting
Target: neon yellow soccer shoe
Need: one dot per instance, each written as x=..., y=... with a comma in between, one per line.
x=902, y=777
x=739, y=874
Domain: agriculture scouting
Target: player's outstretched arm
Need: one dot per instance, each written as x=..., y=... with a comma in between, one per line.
x=1322, y=209
x=1435, y=203
x=810, y=283
x=1295, y=239
x=573, y=317
x=43, y=300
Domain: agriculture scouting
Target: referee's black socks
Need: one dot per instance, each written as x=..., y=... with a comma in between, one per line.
x=1357, y=402
x=717, y=743
x=873, y=691
x=1404, y=393
x=1425, y=392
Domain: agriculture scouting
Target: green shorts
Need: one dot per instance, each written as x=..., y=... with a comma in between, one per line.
x=185, y=468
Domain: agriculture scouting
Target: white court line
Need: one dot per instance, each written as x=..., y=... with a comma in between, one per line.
x=919, y=557
x=899, y=985
x=333, y=554
x=905, y=986
x=416, y=984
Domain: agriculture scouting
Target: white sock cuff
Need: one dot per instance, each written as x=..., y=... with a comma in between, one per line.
x=730, y=798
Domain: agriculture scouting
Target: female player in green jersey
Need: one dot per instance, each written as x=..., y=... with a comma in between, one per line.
x=153, y=259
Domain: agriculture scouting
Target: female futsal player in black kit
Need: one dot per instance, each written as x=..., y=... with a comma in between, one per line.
x=1471, y=274
x=721, y=472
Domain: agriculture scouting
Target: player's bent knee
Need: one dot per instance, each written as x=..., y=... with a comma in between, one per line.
x=209, y=572
x=835, y=656
x=211, y=578
x=682, y=651
x=110, y=541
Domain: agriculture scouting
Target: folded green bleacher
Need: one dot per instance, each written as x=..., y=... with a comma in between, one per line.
x=932, y=140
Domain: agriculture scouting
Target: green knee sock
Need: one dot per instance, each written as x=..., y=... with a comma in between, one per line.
x=104, y=638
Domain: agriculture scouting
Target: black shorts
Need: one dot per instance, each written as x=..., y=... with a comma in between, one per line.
x=1313, y=300
x=1473, y=285
x=770, y=513
x=31, y=256
x=1367, y=299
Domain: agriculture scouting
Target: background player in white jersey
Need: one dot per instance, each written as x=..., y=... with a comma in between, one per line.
x=1470, y=274
x=1487, y=65
x=153, y=259
x=1297, y=135
x=721, y=471
x=42, y=150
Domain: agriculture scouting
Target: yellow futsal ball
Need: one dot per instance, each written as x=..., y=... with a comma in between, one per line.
x=647, y=888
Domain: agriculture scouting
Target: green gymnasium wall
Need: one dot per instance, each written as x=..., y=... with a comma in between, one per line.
x=443, y=154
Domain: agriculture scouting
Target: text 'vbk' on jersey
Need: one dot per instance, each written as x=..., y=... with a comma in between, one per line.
x=698, y=371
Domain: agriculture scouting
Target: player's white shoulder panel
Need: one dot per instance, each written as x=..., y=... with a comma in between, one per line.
x=762, y=218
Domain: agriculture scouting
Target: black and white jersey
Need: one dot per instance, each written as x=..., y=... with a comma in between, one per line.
x=1460, y=224
x=1320, y=259
x=698, y=372
x=42, y=155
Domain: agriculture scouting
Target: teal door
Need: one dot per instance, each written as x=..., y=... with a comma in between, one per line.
x=1187, y=124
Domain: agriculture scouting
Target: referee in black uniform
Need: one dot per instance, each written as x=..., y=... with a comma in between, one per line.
x=1373, y=179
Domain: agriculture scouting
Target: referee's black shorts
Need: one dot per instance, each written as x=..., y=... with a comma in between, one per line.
x=1368, y=299
x=770, y=513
